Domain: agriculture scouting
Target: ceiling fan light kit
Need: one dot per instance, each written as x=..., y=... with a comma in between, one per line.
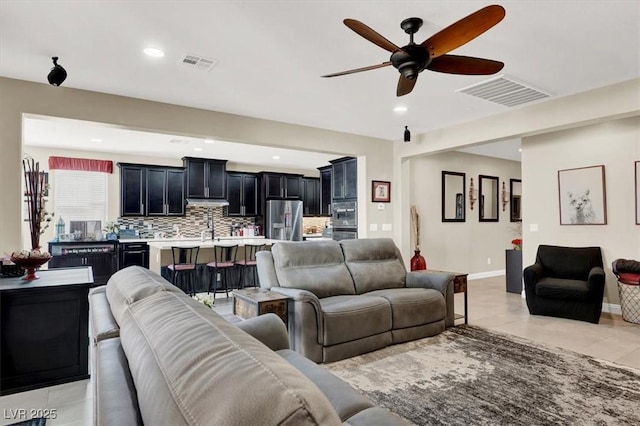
x=431, y=54
x=58, y=74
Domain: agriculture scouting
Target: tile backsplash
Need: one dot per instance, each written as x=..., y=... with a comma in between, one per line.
x=190, y=225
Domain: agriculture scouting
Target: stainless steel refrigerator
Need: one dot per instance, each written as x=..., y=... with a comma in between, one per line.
x=284, y=220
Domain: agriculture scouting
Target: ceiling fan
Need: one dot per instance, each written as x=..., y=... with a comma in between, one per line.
x=431, y=54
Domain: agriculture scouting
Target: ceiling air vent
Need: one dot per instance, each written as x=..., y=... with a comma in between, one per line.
x=504, y=90
x=198, y=62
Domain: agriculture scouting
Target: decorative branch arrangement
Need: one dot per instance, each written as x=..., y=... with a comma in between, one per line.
x=415, y=226
x=35, y=188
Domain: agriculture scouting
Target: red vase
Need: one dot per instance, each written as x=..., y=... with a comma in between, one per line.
x=417, y=261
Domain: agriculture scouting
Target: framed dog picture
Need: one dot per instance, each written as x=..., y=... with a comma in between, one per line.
x=380, y=191
x=582, y=196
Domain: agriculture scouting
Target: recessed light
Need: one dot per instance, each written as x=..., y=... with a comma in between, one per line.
x=154, y=52
x=276, y=157
x=209, y=141
x=197, y=149
x=400, y=109
x=96, y=140
x=519, y=149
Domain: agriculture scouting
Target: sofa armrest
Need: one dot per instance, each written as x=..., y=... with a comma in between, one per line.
x=531, y=276
x=306, y=323
x=596, y=281
x=268, y=329
x=303, y=296
x=440, y=281
x=266, y=269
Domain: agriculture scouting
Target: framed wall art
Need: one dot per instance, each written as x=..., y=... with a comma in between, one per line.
x=582, y=196
x=380, y=191
x=637, y=176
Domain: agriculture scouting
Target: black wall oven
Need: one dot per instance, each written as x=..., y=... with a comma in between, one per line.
x=345, y=220
x=133, y=254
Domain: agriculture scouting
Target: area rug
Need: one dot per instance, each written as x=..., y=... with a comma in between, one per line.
x=471, y=376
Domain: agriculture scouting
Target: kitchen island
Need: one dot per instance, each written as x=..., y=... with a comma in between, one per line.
x=160, y=253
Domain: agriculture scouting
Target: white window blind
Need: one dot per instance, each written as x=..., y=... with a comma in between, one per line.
x=80, y=195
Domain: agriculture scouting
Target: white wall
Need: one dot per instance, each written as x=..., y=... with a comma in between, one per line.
x=22, y=97
x=460, y=246
x=614, y=144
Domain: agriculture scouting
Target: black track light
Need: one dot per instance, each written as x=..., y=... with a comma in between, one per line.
x=407, y=134
x=57, y=75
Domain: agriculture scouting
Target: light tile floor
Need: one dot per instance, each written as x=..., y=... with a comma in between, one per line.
x=490, y=306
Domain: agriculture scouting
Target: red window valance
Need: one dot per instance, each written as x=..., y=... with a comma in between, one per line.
x=83, y=164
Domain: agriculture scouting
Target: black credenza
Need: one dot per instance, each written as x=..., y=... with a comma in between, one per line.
x=44, y=329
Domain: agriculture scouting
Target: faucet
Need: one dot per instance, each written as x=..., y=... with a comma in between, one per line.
x=210, y=224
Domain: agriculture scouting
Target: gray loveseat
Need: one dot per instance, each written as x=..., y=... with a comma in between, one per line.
x=355, y=296
x=161, y=358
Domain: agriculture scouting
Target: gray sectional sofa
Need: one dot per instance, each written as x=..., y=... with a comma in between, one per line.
x=354, y=296
x=161, y=358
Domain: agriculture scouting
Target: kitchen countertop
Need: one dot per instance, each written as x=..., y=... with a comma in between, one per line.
x=191, y=239
x=241, y=241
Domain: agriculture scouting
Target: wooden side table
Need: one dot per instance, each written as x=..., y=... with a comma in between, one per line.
x=460, y=286
x=252, y=302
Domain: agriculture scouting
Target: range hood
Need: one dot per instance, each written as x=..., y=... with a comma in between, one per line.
x=207, y=202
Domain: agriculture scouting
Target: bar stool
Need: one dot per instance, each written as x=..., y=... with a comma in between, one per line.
x=249, y=263
x=224, y=260
x=186, y=265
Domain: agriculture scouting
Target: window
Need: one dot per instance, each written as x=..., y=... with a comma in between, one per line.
x=80, y=195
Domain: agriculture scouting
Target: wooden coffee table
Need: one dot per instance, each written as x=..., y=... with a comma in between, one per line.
x=249, y=303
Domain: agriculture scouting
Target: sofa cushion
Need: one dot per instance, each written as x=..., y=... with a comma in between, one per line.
x=555, y=288
x=374, y=263
x=132, y=284
x=348, y=318
x=191, y=367
x=316, y=266
x=413, y=306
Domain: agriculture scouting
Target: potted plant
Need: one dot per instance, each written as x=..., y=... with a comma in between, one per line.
x=112, y=229
x=39, y=219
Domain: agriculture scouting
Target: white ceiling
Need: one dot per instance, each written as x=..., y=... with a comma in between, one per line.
x=271, y=55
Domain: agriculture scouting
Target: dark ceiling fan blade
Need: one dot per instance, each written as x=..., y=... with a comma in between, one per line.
x=370, y=34
x=372, y=67
x=464, y=30
x=454, y=64
x=405, y=85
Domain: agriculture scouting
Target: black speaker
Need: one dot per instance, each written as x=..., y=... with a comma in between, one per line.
x=407, y=134
x=57, y=75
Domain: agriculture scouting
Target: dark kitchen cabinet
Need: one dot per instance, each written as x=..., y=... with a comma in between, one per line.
x=165, y=191
x=206, y=178
x=100, y=255
x=311, y=196
x=44, y=326
x=147, y=190
x=344, y=179
x=242, y=194
x=281, y=186
x=132, y=188
x=325, y=191
x=130, y=254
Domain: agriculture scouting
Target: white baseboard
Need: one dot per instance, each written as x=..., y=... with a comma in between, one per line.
x=487, y=274
x=611, y=308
